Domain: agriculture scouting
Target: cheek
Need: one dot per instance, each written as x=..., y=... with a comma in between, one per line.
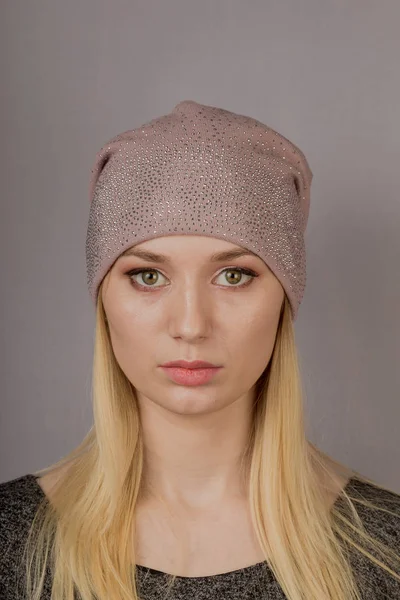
x=260, y=325
x=133, y=344
x=256, y=345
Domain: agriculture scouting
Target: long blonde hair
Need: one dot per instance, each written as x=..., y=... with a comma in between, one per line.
x=86, y=532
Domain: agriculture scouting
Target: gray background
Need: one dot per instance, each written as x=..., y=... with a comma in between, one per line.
x=324, y=74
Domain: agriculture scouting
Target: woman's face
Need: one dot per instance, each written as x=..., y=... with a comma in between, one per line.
x=192, y=308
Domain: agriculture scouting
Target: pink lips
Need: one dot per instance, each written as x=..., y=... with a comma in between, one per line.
x=194, y=364
x=191, y=377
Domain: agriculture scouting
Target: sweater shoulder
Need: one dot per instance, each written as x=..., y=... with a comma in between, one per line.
x=379, y=511
x=19, y=501
x=383, y=517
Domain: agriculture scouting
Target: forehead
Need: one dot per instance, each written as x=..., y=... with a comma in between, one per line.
x=163, y=258
x=161, y=249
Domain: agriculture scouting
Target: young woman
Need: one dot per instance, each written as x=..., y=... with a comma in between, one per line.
x=197, y=480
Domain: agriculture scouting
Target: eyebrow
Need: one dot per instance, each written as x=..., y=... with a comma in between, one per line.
x=161, y=258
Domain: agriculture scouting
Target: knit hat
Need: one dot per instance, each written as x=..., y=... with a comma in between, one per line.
x=201, y=170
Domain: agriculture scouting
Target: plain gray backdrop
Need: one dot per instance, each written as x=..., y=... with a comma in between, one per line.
x=324, y=74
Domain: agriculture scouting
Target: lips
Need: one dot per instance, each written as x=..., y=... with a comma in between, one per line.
x=196, y=364
x=191, y=377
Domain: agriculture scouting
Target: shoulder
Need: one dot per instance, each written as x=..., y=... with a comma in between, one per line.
x=19, y=500
x=381, y=521
x=383, y=517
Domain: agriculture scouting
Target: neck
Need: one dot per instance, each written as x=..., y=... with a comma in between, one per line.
x=196, y=461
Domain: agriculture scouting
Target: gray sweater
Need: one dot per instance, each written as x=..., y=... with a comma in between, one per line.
x=20, y=497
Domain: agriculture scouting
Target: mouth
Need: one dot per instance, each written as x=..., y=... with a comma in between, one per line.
x=194, y=364
x=191, y=377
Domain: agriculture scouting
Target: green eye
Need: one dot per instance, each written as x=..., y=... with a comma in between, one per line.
x=152, y=280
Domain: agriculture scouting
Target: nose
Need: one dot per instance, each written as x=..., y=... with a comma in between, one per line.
x=191, y=314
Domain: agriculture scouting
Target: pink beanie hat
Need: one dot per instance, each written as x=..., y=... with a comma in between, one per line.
x=201, y=170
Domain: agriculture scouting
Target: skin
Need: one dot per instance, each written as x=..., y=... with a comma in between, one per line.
x=191, y=309
x=192, y=518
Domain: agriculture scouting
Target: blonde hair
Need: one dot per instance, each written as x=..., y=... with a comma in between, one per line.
x=86, y=532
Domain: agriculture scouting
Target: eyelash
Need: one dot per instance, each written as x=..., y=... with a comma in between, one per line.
x=146, y=288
